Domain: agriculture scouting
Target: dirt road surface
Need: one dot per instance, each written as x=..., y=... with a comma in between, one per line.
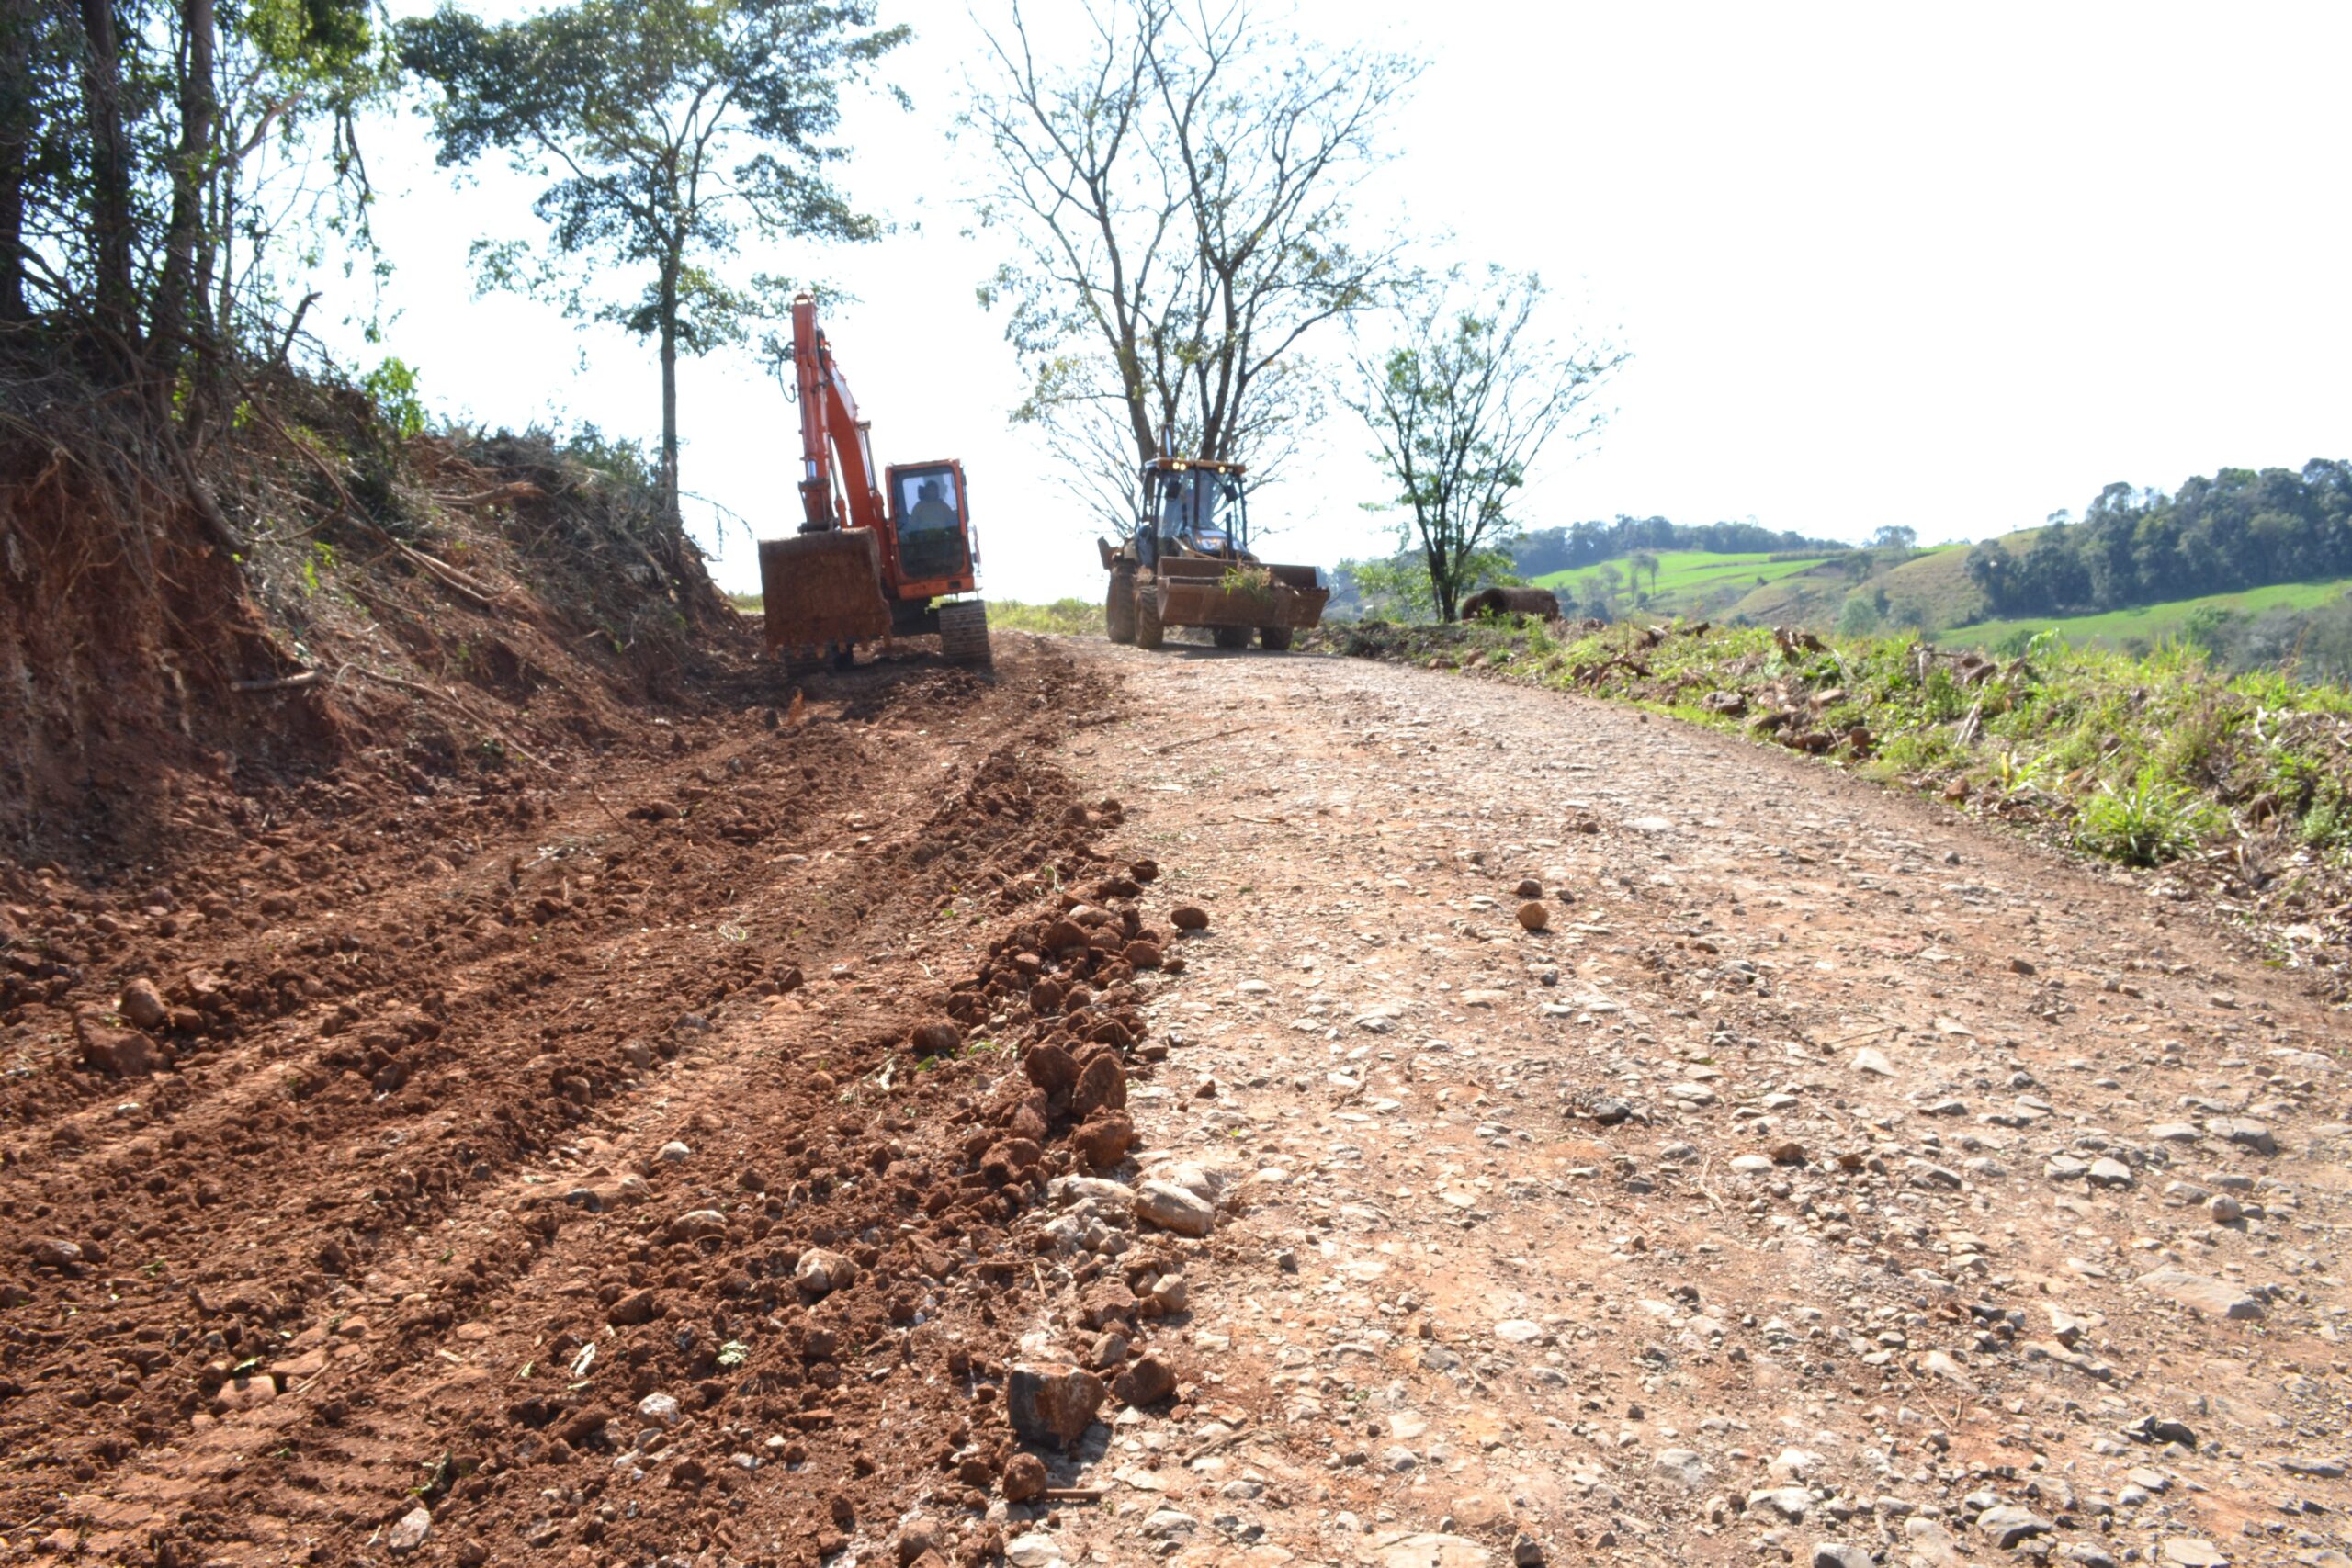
x=1826, y=1180
x=563, y=1170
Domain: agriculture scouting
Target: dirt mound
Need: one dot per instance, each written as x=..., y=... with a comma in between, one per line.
x=333, y=596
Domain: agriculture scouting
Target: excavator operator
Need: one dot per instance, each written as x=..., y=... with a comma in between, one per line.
x=930, y=509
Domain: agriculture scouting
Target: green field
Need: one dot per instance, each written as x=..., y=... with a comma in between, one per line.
x=2148, y=626
x=1693, y=581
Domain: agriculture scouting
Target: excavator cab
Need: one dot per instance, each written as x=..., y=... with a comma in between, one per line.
x=930, y=524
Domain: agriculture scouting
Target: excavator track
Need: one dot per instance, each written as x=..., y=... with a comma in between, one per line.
x=964, y=632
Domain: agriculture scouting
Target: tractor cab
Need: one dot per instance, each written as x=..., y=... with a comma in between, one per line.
x=1192, y=508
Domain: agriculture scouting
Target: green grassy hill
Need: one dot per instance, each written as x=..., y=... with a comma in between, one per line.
x=1928, y=589
x=2147, y=625
x=1692, y=582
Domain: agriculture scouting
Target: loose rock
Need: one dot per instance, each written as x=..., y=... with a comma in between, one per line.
x=1053, y=1402
x=1024, y=1477
x=821, y=1272
x=144, y=1008
x=1171, y=1207
x=410, y=1532
x=2202, y=1292
x=635, y=1307
x=2007, y=1525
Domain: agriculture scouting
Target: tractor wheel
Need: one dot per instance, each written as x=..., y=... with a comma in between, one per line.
x=1149, y=631
x=1274, y=639
x=964, y=632
x=1231, y=636
x=1119, y=609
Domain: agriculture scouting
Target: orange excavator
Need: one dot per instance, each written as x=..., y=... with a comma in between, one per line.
x=869, y=560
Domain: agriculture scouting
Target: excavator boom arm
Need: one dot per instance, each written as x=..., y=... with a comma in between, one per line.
x=832, y=435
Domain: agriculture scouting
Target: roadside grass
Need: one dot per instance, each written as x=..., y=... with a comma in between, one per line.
x=1063, y=617
x=2238, y=787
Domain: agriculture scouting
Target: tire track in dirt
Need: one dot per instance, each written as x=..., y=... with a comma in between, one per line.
x=312, y=1261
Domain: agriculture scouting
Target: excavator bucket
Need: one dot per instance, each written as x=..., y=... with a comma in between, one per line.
x=823, y=590
x=1202, y=592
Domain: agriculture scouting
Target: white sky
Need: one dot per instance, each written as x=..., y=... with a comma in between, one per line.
x=1951, y=266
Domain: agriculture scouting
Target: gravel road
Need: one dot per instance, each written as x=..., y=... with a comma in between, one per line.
x=1827, y=1180
x=717, y=1152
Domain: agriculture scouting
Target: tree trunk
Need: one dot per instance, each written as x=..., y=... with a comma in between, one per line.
x=198, y=109
x=1138, y=402
x=670, y=512
x=109, y=172
x=19, y=22
x=1441, y=564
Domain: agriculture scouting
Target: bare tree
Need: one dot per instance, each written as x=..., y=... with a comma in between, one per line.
x=1462, y=401
x=1180, y=200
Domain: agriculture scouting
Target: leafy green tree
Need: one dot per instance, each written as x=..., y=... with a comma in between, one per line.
x=1462, y=399
x=1393, y=589
x=1600, y=591
x=671, y=133
x=132, y=133
x=1859, y=616
x=1644, y=563
x=1896, y=536
x=2238, y=528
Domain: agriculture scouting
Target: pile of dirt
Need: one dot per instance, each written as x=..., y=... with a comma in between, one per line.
x=185, y=640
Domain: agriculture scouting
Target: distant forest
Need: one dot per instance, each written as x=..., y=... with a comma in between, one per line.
x=2237, y=530
x=1588, y=544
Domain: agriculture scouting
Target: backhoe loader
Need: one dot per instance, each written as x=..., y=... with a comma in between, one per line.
x=1188, y=564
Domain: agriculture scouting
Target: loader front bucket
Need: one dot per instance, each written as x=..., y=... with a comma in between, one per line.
x=1201, y=592
x=823, y=590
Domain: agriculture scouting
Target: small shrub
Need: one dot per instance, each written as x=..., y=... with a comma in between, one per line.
x=2148, y=821
x=391, y=388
